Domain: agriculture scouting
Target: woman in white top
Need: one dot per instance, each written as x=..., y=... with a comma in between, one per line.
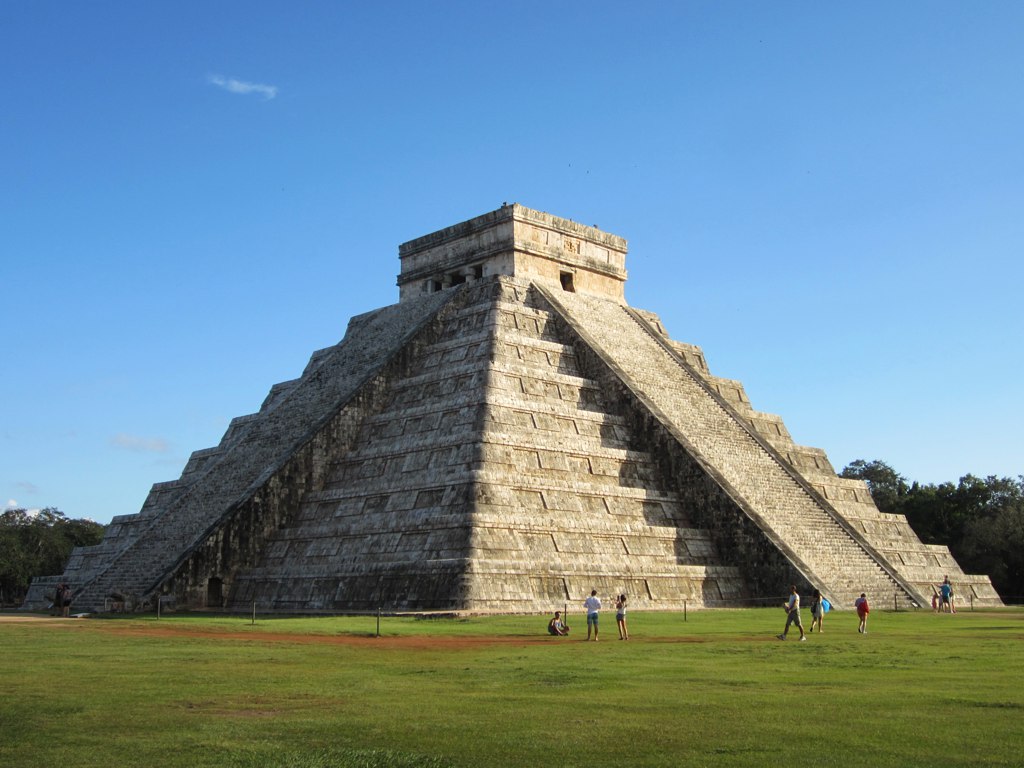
x=620, y=617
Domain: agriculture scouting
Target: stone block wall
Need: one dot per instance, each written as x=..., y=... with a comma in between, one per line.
x=565, y=502
x=390, y=526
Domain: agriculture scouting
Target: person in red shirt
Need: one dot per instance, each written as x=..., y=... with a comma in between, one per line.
x=861, y=604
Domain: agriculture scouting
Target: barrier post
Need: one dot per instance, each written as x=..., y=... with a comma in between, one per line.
x=378, y=621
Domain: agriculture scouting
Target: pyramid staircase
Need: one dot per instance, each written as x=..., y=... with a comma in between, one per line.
x=816, y=539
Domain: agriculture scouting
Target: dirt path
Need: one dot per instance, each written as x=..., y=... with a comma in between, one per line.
x=406, y=642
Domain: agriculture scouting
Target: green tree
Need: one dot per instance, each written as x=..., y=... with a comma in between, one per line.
x=927, y=512
x=993, y=534
x=981, y=520
x=38, y=545
x=942, y=514
x=888, y=488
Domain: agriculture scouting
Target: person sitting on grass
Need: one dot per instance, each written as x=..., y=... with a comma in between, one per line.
x=556, y=626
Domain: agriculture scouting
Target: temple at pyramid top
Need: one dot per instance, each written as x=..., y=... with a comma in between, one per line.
x=515, y=241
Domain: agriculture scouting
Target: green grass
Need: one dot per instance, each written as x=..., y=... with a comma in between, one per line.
x=718, y=689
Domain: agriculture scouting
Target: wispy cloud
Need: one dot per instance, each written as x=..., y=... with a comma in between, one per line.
x=13, y=504
x=27, y=487
x=242, y=87
x=140, y=444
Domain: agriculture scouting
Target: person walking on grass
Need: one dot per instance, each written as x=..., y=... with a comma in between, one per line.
x=620, y=617
x=861, y=604
x=817, y=610
x=793, y=614
x=593, y=605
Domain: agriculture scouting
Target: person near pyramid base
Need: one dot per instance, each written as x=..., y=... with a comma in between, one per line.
x=558, y=627
x=861, y=604
x=593, y=606
x=793, y=614
x=817, y=610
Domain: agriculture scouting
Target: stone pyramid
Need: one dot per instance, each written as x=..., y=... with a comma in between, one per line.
x=506, y=438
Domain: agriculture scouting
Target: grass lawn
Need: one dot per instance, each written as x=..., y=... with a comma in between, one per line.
x=718, y=689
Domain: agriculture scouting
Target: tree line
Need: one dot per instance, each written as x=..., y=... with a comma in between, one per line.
x=981, y=520
x=38, y=544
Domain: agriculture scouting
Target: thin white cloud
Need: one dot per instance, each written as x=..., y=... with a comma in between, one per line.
x=27, y=487
x=231, y=85
x=140, y=444
x=12, y=504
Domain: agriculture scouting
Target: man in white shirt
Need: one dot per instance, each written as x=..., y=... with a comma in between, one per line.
x=793, y=614
x=593, y=605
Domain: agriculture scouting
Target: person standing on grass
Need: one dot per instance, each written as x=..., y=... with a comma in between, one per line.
x=593, y=605
x=793, y=614
x=947, y=595
x=861, y=604
x=58, y=600
x=817, y=610
x=620, y=617
x=64, y=592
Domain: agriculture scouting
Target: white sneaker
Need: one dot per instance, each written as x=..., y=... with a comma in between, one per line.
x=803, y=639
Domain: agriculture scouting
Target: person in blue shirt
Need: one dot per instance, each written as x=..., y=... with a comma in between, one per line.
x=946, y=595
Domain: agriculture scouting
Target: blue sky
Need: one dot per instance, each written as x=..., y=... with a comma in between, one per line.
x=828, y=198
